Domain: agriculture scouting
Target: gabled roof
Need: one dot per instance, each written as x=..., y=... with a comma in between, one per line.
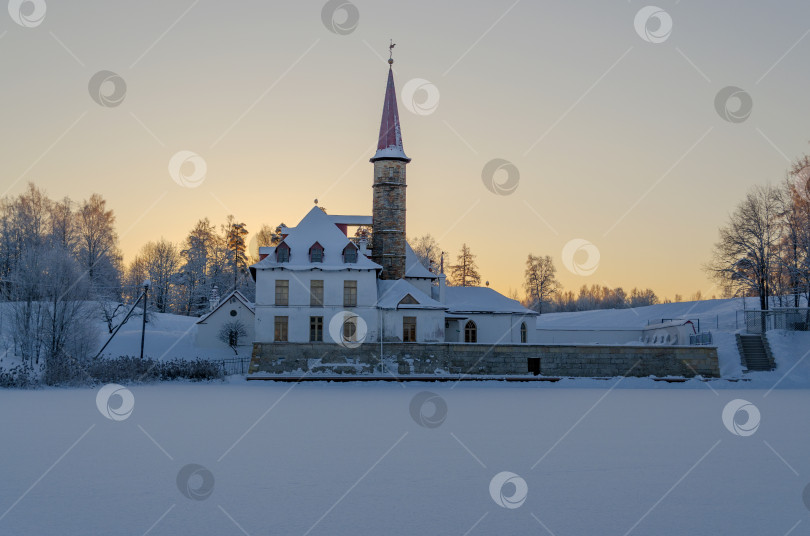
x=391, y=292
x=414, y=267
x=389, y=144
x=482, y=300
x=318, y=227
x=235, y=294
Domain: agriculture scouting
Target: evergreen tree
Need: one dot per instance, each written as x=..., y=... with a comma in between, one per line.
x=465, y=272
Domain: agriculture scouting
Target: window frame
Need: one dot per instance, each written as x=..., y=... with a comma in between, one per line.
x=408, y=329
x=470, y=332
x=285, y=286
x=524, y=333
x=350, y=247
x=283, y=247
x=315, y=329
x=281, y=329
x=349, y=297
x=316, y=247
x=313, y=302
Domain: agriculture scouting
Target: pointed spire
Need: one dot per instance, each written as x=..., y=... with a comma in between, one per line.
x=389, y=145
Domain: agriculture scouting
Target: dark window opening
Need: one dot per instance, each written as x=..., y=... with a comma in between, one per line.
x=470, y=332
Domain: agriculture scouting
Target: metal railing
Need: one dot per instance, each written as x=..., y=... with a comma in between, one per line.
x=701, y=339
x=234, y=365
x=701, y=324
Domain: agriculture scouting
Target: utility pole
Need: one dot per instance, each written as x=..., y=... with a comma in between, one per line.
x=145, y=301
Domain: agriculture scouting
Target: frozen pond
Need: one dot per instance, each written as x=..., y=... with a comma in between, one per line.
x=345, y=459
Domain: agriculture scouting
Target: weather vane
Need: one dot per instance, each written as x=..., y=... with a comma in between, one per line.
x=391, y=52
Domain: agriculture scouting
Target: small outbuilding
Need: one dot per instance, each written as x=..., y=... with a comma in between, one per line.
x=235, y=313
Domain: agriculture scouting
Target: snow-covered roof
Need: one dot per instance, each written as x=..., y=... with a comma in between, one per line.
x=391, y=292
x=318, y=227
x=338, y=219
x=482, y=300
x=392, y=152
x=234, y=294
x=413, y=267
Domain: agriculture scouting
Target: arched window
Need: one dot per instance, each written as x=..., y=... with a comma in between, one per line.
x=316, y=253
x=282, y=253
x=350, y=253
x=524, y=333
x=470, y=332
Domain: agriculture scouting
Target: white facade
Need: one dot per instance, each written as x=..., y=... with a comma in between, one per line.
x=233, y=307
x=299, y=308
x=386, y=309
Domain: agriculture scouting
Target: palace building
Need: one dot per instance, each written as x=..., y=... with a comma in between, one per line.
x=322, y=284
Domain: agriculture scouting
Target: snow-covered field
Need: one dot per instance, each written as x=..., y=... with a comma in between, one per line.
x=346, y=459
x=581, y=456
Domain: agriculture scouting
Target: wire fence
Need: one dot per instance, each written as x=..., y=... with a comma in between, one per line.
x=788, y=318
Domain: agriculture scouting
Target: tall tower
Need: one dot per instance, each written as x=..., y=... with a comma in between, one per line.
x=388, y=214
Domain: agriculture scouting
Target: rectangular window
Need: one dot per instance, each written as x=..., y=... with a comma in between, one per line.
x=409, y=329
x=280, y=334
x=316, y=329
x=350, y=255
x=283, y=254
x=316, y=255
x=350, y=294
x=282, y=292
x=316, y=293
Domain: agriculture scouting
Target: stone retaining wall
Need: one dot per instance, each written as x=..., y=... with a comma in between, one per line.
x=507, y=359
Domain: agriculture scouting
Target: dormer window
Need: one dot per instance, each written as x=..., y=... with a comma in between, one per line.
x=316, y=253
x=282, y=253
x=350, y=253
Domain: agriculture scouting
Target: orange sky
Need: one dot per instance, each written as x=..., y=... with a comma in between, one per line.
x=616, y=137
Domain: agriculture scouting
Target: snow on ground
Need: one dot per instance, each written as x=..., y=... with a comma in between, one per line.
x=718, y=316
x=346, y=459
x=713, y=314
x=168, y=336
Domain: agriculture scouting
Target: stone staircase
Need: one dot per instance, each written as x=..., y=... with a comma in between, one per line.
x=755, y=353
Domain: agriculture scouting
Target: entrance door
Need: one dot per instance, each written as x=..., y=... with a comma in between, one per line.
x=534, y=365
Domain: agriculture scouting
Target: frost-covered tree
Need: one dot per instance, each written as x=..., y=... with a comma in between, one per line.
x=97, y=246
x=427, y=250
x=197, y=255
x=160, y=261
x=540, y=281
x=642, y=298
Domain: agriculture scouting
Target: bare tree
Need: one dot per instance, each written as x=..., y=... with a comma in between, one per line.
x=231, y=333
x=747, y=253
x=540, y=281
x=427, y=250
x=465, y=272
x=97, y=248
x=160, y=262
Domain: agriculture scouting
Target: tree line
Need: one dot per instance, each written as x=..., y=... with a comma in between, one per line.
x=764, y=247
x=543, y=292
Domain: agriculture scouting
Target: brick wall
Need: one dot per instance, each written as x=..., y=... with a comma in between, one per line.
x=449, y=358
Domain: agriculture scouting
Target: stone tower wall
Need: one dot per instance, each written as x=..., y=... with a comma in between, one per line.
x=388, y=228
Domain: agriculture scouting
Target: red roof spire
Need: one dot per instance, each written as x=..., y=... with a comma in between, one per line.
x=389, y=145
